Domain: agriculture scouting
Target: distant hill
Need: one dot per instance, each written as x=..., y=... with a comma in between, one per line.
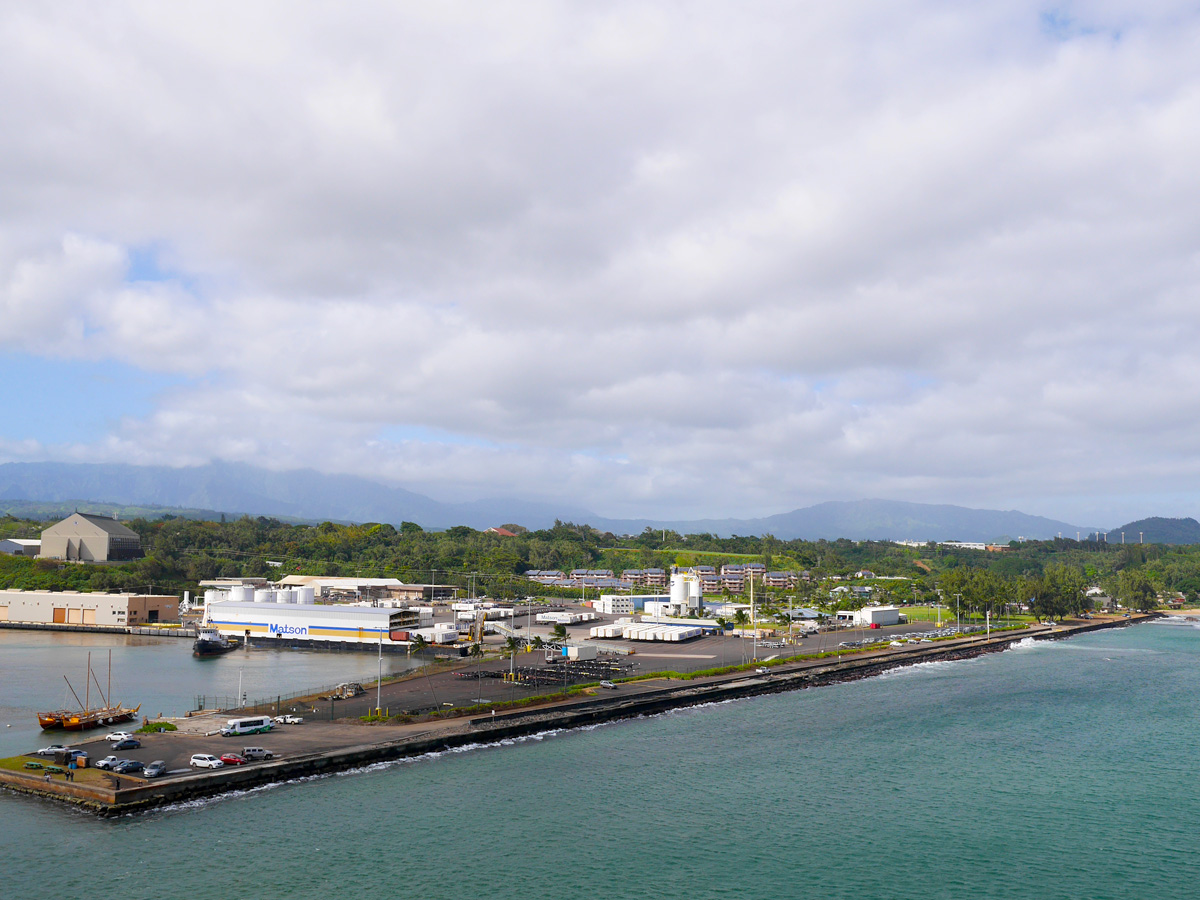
x=864, y=520
x=237, y=489
x=1157, y=530
x=305, y=495
x=53, y=511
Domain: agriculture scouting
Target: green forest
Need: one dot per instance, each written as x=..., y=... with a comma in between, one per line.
x=180, y=552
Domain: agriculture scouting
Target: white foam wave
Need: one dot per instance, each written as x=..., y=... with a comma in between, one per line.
x=1185, y=621
x=1024, y=644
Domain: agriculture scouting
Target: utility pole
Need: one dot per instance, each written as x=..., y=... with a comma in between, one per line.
x=754, y=618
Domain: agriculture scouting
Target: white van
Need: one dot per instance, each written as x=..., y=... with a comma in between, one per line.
x=249, y=725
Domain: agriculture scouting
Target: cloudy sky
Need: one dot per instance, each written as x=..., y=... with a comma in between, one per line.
x=665, y=259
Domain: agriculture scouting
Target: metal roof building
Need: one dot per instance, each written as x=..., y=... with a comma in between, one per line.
x=84, y=537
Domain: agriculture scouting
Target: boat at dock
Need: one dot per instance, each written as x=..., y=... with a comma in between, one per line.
x=87, y=717
x=52, y=719
x=210, y=642
x=99, y=718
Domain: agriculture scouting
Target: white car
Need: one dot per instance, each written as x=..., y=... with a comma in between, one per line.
x=289, y=720
x=118, y=736
x=108, y=762
x=205, y=761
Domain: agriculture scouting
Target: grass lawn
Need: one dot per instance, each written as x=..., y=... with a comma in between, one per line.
x=82, y=776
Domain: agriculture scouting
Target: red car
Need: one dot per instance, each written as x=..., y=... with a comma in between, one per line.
x=232, y=759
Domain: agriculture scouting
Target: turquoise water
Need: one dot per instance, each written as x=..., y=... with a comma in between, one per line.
x=1055, y=770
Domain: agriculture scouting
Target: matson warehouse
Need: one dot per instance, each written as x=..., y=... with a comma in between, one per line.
x=309, y=625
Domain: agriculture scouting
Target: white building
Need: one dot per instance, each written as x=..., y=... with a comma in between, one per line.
x=310, y=624
x=20, y=546
x=873, y=615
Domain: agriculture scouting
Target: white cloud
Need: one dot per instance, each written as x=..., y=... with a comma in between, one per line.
x=654, y=259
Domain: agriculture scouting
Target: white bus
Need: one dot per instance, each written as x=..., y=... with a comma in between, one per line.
x=250, y=725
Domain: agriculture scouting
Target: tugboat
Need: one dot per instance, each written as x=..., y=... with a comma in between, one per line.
x=210, y=642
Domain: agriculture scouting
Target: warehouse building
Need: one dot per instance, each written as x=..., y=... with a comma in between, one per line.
x=344, y=589
x=82, y=537
x=20, y=546
x=314, y=626
x=81, y=608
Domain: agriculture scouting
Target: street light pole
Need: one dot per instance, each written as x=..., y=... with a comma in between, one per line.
x=754, y=617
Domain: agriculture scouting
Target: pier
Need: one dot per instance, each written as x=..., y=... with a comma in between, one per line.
x=317, y=748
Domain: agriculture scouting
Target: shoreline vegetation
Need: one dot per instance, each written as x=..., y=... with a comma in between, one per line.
x=571, y=709
x=1049, y=578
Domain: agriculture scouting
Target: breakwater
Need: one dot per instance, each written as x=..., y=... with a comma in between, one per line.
x=358, y=747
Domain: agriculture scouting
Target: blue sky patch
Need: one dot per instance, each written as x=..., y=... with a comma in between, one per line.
x=60, y=401
x=400, y=433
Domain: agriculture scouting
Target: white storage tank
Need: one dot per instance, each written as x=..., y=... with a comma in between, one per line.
x=264, y=596
x=305, y=595
x=679, y=589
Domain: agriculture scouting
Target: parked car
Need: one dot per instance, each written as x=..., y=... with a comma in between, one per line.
x=608, y=685
x=257, y=753
x=118, y=736
x=289, y=720
x=108, y=762
x=762, y=670
x=128, y=766
x=156, y=768
x=232, y=759
x=76, y=755
x=127, y=744
x=205, y=761
x=51, y=750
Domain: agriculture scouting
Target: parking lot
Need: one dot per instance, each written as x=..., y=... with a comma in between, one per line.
x=176, y=748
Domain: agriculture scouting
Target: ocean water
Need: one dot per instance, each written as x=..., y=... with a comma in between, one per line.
x=1052, y=770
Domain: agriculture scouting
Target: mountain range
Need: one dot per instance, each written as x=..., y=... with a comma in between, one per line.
x=1157, y=530
x=306, y=495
